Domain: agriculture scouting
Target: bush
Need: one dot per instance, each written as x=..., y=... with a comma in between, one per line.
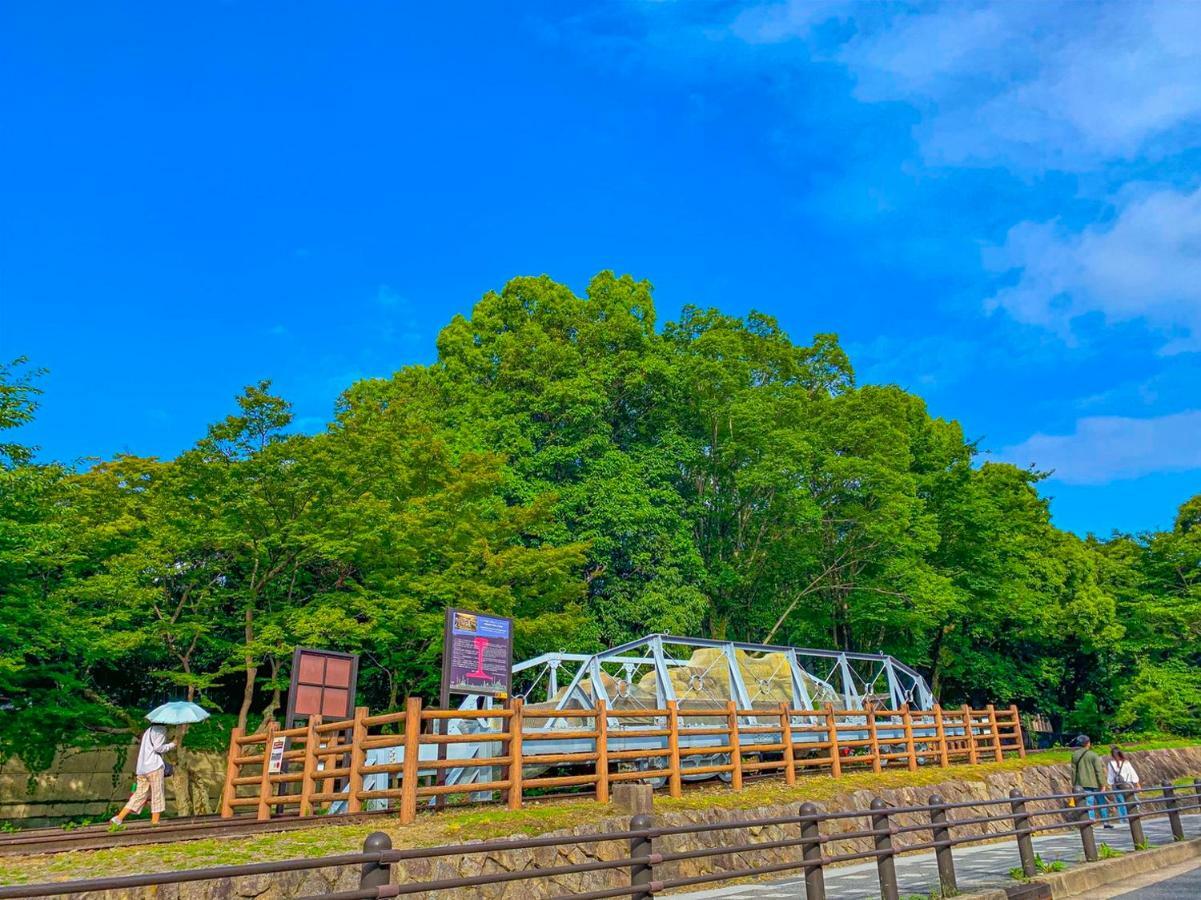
x=1162, y=698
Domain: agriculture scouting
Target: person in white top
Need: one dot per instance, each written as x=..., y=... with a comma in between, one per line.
x=1118, y=768
x=150, y=770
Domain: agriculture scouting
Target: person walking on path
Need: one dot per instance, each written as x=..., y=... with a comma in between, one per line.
x=1119, y=769
x=1088, y=775
x=150, y=771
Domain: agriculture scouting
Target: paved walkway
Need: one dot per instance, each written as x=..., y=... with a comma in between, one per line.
x=1185, y=886
x=1175, y=882
x=976, y=866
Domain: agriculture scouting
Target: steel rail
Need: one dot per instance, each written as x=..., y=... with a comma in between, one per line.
x=100, y=838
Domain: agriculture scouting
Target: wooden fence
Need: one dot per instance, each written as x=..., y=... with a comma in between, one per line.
x=325, y=763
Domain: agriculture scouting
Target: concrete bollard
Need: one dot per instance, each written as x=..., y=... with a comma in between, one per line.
x=633, y=799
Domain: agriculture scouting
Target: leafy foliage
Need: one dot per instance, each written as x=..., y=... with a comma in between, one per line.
x=569, y=462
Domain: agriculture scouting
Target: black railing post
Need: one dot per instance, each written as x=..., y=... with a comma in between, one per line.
x=885, y=863
x=1087, y=838
x=1197, y=790
x=641, y=873
x=1169, y=800
x=377, y=873
x=1021, y=824
x=811, y=852
x=1130, y=796
x=940, y=834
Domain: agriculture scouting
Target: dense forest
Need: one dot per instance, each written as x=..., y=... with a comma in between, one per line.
x=597, y=475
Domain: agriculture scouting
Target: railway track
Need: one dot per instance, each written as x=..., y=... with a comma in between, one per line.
x=99, y=837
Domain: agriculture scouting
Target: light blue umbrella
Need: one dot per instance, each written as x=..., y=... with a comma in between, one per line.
x=177, y=712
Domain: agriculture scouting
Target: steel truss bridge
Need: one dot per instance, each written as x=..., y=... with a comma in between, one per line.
x=657, y=668
x=694, y=673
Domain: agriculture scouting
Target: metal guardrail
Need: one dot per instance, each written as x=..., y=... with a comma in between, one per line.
x=645, y=863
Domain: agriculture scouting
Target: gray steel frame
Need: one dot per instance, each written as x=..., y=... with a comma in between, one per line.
x=901, y=683
x=882, y=675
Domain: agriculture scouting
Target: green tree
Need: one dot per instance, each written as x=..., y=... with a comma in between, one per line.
x=45, y=700
x=572, y=463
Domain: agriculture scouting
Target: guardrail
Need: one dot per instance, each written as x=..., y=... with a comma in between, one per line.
x=650, y=869
x=326, y=762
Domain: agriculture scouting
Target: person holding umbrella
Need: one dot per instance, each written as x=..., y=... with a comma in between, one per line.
x=151, y=767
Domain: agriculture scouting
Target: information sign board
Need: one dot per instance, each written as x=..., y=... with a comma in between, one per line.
x=477, y=655
x=275, y=762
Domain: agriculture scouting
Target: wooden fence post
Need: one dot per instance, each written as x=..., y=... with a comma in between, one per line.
x=358, y=759
x=602, y=751
x=873, y=735
x=308, y=774
x=907, y=730
x=264, y=811
x=832, y=736
x=941, y=736
x=735, y=745
x=515, y=754
x=412, y=761
x=1017, y=730
x=998, y=753
x=786, y=740
x=231, y=772
x=969, y=734
x=673, y=748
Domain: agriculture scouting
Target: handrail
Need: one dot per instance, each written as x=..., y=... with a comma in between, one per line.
x=378, y=855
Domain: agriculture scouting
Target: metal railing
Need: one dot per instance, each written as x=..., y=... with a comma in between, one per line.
x=642, y=868
x=326, y=763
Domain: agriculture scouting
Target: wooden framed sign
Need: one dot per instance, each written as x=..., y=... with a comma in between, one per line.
x=477, y=655
x=323, y=684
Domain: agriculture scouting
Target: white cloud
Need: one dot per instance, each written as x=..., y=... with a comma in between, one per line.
x=1098, y=90
x=1109, y=448
x=1061, y=85
x=1145, y=265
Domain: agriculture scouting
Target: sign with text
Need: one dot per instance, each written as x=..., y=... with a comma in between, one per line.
x=477, y=656
x=275, y=762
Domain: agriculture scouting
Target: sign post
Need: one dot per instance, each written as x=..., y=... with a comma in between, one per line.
x=477, y=658
x=323, y=684
x=477, y=655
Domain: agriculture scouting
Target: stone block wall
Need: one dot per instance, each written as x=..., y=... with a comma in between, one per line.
x=87, y=783
x=1154, y=767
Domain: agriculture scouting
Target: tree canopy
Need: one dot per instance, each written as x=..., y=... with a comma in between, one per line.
x=568, y=461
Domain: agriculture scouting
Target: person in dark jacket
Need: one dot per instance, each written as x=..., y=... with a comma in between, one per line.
x=1088, y=775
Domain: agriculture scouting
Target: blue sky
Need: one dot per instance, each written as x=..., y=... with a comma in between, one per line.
x=996, y=206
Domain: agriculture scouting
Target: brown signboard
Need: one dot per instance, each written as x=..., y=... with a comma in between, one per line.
x=323, y=684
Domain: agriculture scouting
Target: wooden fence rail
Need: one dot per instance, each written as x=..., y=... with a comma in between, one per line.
x=324, y=765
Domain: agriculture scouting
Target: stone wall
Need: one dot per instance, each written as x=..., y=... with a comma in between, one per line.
x=1154, y=767
x=88, y=783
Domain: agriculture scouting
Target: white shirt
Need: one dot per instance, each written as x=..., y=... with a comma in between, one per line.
x=154, y=745
x=1115, y=772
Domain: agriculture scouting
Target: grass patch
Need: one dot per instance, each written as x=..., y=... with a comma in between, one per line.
x=481, y=823
x=1041, y=867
